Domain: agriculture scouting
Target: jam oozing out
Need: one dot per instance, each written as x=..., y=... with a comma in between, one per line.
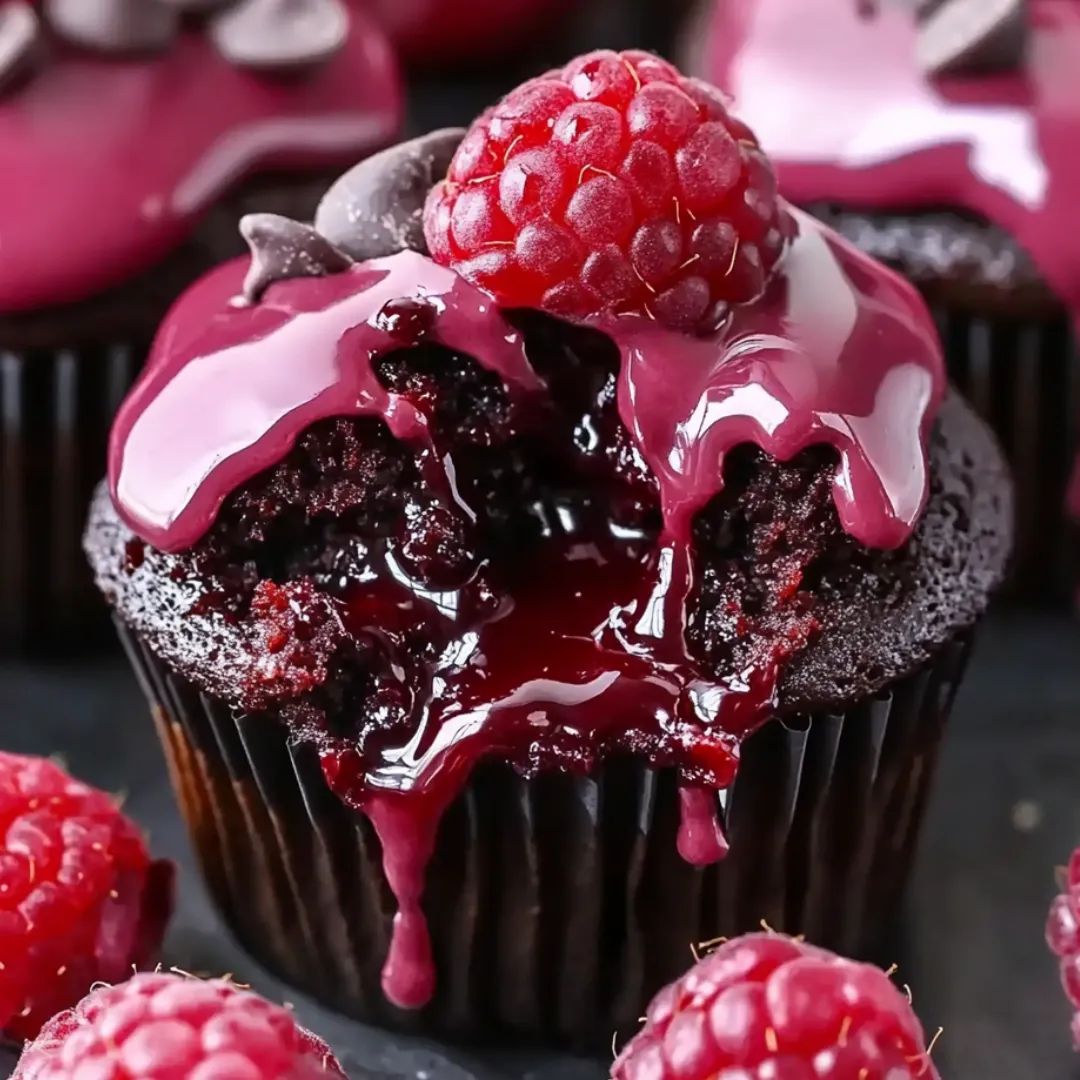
x=581, y=650
x=109, y=162
x=835, y=95
x=576, y=659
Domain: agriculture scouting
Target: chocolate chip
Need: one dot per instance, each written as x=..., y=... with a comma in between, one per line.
x=377, y=207
x=969, y=36
x=282, y=248
x=114, y=25
x=21, y=39
x=276, y=35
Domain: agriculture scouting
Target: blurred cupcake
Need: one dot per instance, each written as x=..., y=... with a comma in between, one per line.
x=941, y=139
x=445, y=34
x=132, y=135
x=498, y=656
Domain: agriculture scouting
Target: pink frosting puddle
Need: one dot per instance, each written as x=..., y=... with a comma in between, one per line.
x=846, y=116
x=587, y=654
x=109, y=163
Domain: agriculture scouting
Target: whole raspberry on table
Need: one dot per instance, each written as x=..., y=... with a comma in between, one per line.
x=1063, y=937
x=614, y=185
x=172, y=1027
x=769, y=1007
x=80, y=898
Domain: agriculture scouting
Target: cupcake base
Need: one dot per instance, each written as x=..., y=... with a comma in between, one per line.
x=63, y=374
x=55, y=412
x=1022, y=376
x=557, y=905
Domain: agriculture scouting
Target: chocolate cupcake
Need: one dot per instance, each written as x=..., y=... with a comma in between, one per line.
x=133, y=133
x=499, y=655
x=937, y=137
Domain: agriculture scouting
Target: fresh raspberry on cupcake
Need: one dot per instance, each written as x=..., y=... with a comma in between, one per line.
x=80, y=899
x=172, y=1027
x=770, y=1007
x=613, y=185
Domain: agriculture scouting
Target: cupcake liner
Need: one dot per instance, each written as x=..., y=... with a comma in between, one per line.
x=557, y=905
x=55, y=412
x=1023, y=378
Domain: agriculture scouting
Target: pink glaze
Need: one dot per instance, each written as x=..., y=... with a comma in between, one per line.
x=108, y=163
x=586, y=653
x=846, y=116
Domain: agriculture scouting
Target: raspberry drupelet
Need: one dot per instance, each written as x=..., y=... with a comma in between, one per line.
x=769, y=1007
x=614, y=185
x=1063, y=937
x=172, y=1027
x=80, y=899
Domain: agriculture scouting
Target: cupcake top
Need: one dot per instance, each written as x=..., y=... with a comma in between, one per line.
x=121, y=122
x=896, y=105
x=554, y=439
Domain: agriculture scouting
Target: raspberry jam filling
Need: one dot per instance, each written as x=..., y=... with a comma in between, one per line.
x=581, y=649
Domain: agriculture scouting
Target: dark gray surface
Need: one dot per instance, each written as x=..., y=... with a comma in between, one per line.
x=1005, y=812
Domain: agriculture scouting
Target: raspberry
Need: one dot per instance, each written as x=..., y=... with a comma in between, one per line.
x=175, y=1028
x=768, y=1007
x=613, y=185
x=1063, y=937
x=80, y=899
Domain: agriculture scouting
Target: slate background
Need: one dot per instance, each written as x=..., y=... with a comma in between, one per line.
x=1005, y=813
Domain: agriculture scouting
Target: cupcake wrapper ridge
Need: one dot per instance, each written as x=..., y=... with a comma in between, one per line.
x=557, y=905
x=55, y=413
x=1023, y=378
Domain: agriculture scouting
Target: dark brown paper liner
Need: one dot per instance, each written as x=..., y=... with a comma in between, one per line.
x=1023, y=378
x=55, y=412
x=557, y=905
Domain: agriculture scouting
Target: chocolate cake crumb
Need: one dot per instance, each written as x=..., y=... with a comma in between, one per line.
x=259, y=611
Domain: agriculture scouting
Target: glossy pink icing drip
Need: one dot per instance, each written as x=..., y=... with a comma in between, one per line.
x=109, y=163
x=701, y=839
x=846, y=116
x=839, y=350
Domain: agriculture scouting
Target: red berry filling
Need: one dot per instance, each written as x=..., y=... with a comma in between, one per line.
x=613, y=185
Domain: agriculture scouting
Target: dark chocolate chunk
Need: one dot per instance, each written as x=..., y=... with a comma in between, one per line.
x=282, y=248
x=377, y=207
x=275, y=35
x=968, y=36
x=114, y=25
x=20, y=40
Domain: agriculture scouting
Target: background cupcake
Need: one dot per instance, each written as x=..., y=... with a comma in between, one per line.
x=940, y=140
x=464, y=628
x=131, y=139
x=441, y=34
